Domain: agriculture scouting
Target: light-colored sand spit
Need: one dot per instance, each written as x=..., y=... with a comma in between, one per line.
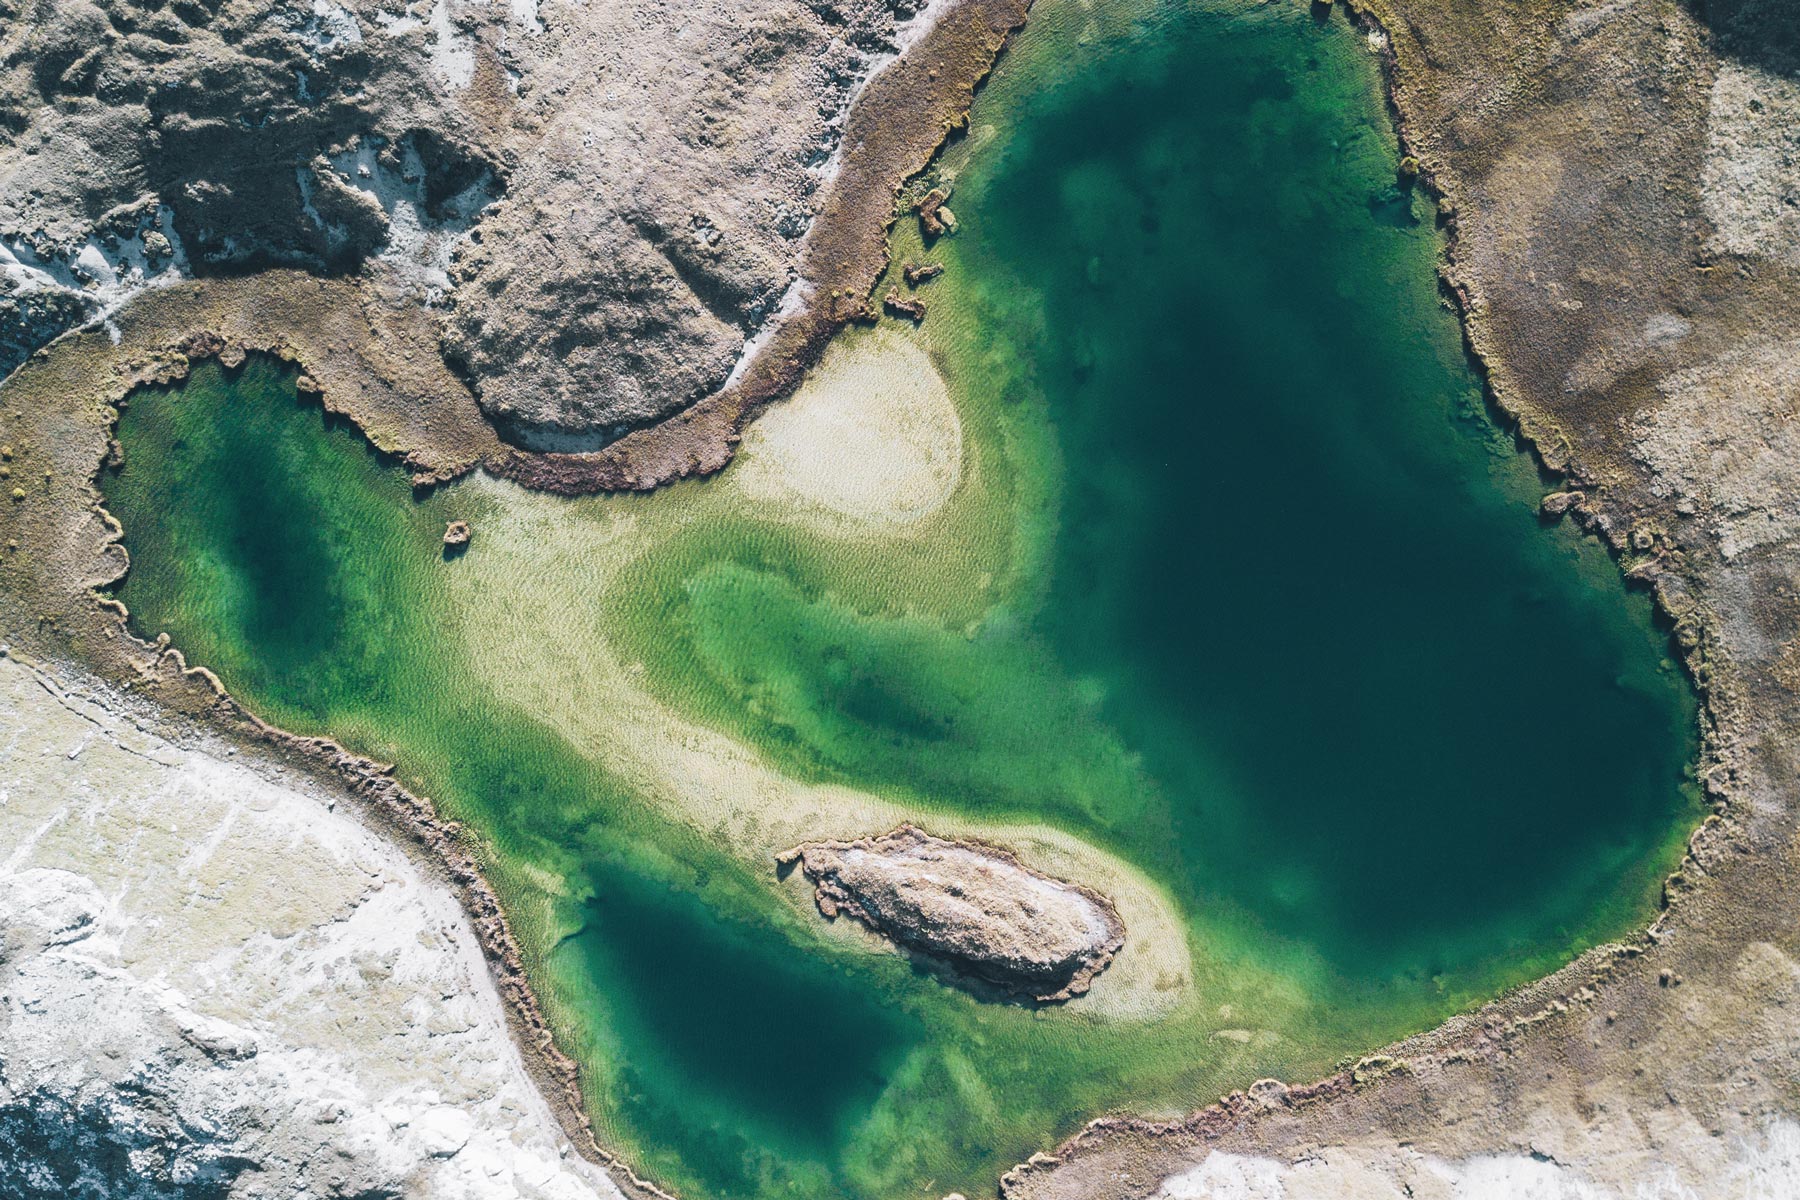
x=539, y=570
x=870, y=441
x=230, y=982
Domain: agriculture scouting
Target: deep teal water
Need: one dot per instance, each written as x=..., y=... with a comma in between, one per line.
x=1393, y=721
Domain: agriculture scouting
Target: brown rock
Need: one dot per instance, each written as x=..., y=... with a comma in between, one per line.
x=1269, y=1093
x=932, y=214
x=203, y=344
x=1558, y=503
x=916, y=273
x=971, y=908
x=457, y=533
x=911, y=308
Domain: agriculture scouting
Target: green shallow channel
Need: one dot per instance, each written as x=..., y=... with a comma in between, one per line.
x=1238, y=587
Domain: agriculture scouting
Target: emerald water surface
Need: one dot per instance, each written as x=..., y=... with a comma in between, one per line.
x=1239, y=595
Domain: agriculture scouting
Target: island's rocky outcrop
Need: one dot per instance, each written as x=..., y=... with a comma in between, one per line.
x=973, y=909
x=916, y=273
x=935, y=219
x=902, y=305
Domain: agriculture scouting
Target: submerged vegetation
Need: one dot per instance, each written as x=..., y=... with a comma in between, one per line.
x=1211, y=588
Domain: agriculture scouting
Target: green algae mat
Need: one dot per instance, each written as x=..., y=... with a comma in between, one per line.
x=1175, y=549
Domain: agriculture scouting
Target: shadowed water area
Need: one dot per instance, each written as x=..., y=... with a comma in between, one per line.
x=1239, y=591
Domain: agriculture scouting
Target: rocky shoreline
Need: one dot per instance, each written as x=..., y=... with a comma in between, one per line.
x=153, y=1052
x=397, y=272
x=969, y=910
x=413, y=819
x=897, y=125
x=76, y=621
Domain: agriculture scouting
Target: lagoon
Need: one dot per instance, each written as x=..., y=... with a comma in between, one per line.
x=1190, y=562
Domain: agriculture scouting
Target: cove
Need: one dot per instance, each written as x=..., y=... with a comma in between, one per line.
x=1232, y=601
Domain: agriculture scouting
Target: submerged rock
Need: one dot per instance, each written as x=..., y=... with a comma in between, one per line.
x=916, y=273
x=935, y=220
x=970, y=907
x=911, y=308
x=1558, y=503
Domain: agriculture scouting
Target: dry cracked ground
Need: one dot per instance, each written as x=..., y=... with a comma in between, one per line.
x=550, y=238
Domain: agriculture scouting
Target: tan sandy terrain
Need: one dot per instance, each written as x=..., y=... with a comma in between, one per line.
x=638, y=179
x=869, y=442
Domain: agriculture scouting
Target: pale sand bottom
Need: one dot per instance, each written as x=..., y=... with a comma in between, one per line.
x=190, y=941
x=870, y=439
x=528, y=619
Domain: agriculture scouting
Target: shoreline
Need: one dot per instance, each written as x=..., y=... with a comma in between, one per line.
x=379, y=365
x=93, y=629
x=887, y=146
x=100, y=816
x=195, y=690
x=1114, y=1155
x=412, y=821
x=896, y=126
x=184, y=689
x=891, y=137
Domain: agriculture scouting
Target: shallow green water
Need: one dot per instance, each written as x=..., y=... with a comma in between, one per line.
x=1239, y=586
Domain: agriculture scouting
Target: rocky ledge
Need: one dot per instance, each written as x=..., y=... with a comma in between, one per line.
x=973, y=909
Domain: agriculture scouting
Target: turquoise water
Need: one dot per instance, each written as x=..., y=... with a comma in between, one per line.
x=1241, y=590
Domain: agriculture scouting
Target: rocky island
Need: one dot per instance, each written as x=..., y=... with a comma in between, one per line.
x=974, y=910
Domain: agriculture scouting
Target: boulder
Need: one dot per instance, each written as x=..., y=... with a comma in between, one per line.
x=971, y=909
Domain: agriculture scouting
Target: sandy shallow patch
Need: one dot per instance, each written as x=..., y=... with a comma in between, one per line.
x=540, y=570
x=870, y=441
